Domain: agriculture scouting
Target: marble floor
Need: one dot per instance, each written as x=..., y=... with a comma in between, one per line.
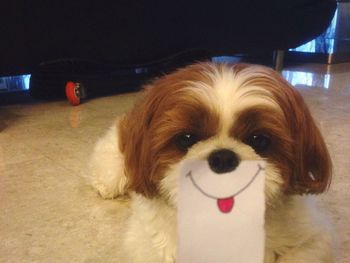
x=50, y=214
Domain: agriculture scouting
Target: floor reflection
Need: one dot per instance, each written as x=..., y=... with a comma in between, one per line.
x=307, y=79
x=327, y=77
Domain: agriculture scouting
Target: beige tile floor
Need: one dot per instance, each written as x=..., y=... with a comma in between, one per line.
x=49, y=214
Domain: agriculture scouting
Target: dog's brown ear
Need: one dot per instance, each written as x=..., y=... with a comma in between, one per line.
x=135, y=144
x=309, y=163
x=140, y=129
x=313, y=167
x=310, y=167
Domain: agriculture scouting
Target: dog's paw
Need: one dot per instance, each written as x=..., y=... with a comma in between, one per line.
x=113, y=189
x=105, y=193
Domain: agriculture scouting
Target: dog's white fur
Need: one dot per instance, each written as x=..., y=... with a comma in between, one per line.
x=294, y=232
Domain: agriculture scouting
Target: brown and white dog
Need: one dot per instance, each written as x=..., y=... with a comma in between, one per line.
x=240, y=112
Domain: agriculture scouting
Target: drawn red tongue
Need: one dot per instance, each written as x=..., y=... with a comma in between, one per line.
x=226, y=204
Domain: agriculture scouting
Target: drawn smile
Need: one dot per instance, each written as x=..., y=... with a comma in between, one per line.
x=225, y=204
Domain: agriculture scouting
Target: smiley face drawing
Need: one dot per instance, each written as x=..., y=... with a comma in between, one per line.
x=225, y=187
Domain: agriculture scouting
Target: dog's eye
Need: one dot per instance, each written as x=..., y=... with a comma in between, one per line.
x=259, y=142
x=185, y=141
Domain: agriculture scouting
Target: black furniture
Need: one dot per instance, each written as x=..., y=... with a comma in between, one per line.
x=129, y=39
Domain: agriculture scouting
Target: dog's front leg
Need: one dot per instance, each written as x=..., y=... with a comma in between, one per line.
x=107, y=166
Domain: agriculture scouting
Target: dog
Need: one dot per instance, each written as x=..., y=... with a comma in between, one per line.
x=229, y=114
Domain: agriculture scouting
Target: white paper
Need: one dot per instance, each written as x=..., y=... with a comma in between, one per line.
x=212, y=226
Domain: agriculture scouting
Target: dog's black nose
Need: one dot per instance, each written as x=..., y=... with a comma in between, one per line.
x=223, y=161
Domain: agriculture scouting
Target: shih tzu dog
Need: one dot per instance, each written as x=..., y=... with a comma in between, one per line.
x=236, y=112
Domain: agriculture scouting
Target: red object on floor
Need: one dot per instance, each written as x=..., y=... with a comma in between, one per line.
x=73, y=93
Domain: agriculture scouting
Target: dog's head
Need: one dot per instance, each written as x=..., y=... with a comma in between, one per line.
x=224, y=114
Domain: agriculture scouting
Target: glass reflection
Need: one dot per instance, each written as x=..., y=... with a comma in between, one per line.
x=322, y=44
